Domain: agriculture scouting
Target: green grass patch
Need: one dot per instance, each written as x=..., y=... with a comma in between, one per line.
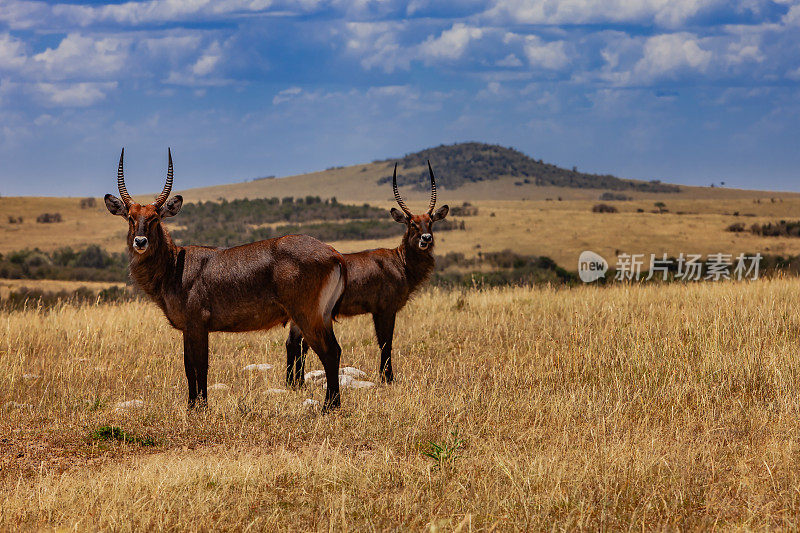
x=109, y=433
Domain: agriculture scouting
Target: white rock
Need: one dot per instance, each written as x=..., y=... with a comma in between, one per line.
x=344, y=381
x=310, y=403
x=347, y=382
x=316, y=377
x=30, y=376
x=17, y=405
x=219, y=386
x=130, y=404
x=352, y=372
x=277, y=391
x=263, y=367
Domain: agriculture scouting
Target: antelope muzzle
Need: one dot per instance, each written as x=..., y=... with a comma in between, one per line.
x=140, y=244
x=425, y=240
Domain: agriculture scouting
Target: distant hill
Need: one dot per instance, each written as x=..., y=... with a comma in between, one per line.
x=461, y=163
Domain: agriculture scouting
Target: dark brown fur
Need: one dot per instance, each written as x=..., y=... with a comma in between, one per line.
x=379, y=282
x=250, y=287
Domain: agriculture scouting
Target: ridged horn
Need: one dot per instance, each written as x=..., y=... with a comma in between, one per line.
x=168, y=185
x=397, y=197
x=433, y=189
x=123, y=192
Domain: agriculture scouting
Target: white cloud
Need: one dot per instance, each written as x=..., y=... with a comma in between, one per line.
x=665, y=55
x=669, y=13
x=26, y=14
x=743, y=52
x=205, y=70
x=208, y=61
x=511, y=60
x=792, y=17
x=78, y=55
x=286, y=95
x=12, y=52
x=541, y=54
x=74, y=94
x=451, y=44
x=377, y=44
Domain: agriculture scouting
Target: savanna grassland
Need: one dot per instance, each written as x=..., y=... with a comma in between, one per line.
x=557, y=229
x=627, y=407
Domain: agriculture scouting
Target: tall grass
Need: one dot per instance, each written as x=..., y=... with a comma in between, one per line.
x=626, y=407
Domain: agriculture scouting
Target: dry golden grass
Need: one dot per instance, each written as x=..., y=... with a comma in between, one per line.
x=650, y=407
x=49, y=285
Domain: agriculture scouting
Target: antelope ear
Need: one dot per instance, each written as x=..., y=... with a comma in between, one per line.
x=398, y=216
x=171, y=206
x=115, y=205
x=440, y=213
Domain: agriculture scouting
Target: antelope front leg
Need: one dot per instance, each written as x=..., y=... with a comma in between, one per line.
x=195, y=361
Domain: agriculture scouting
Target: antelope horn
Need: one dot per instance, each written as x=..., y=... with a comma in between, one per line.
x=433, y=189
x=397, y=197
x=167, y=186
x=123, y=192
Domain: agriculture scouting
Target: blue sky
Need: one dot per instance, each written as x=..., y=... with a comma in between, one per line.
x=687, y=91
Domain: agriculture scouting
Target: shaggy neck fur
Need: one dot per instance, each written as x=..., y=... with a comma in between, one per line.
x=154, y=271
x=418, y=263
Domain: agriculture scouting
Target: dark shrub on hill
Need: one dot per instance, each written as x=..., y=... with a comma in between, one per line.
x=464, y=210
x=48, y=218
x=736, y=227
x=604, y=208
x=779, y=229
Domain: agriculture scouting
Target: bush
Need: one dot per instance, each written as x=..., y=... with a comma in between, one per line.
x=604, y=208
x=464, y=210
x=48, y=218
x=736, y=227
x=88, y=203
x=778, y=229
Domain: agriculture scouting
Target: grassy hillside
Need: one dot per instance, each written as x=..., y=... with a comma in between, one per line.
x=627, y=408
x=462, y=163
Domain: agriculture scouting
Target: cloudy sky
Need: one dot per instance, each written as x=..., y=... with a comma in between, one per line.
x=688, y=91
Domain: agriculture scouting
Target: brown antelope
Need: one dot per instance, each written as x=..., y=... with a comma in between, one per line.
x=380, y=282
x=245, y=288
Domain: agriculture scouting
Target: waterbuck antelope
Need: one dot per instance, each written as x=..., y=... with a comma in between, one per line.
x=380, y=282
x=245, y=288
